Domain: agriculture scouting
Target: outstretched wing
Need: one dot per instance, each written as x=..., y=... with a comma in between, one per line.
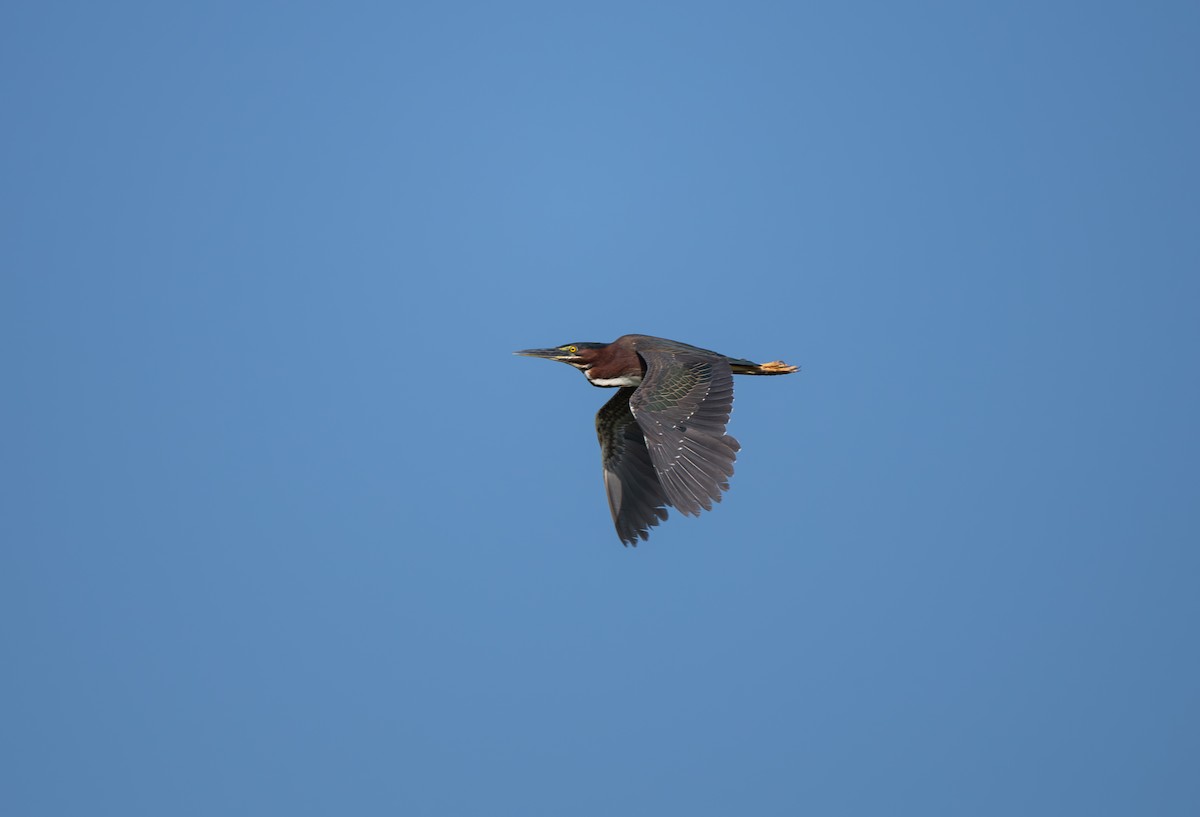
x=635, y=496
x=682, y=406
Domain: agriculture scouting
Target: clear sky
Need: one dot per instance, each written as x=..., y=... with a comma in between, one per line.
x=288, y=530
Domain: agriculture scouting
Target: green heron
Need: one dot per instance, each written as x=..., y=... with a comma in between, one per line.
x=662, y=436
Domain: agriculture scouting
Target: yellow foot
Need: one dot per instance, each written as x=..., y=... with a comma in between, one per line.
x=777, y=367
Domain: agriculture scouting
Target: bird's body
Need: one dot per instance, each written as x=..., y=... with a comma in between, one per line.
x=662, y=435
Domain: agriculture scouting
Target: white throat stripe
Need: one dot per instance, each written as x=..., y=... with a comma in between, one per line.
x=627, y=380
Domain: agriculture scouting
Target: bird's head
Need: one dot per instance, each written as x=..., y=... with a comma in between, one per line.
x=579, y=355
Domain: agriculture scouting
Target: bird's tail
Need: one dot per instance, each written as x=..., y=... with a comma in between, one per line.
x=749, y=367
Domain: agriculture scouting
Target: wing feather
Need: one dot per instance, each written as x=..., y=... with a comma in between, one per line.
x=682, y=407
x=635, y=496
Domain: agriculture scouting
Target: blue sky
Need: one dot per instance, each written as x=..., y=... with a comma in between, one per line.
x=288, y=530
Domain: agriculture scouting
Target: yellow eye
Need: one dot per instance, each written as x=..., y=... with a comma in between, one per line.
x=571, y=349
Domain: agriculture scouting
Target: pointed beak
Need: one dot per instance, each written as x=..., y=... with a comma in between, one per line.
x=548, y=354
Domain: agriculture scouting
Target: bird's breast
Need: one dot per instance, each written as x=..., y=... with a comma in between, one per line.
x=614, y=382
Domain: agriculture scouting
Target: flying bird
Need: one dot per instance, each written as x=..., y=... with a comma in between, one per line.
x=662, y=436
